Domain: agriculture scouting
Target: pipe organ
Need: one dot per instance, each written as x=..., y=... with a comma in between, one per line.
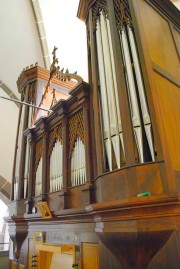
x=112, y=127
x=44, y=92
x=100, y=170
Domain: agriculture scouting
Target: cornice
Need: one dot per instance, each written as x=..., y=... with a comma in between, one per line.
x=83, y=9
x=146, y=209
x=137, y=209
x=163, y=5
x=34, y=73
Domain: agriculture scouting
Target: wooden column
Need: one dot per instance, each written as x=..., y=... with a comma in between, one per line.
x=87, y=142
x=96, y=98
x=15, y=154
x=44, y=158
x=65, y=151
x=31, y=182
x=65, y=142
x=23, y=148
x=91, y=109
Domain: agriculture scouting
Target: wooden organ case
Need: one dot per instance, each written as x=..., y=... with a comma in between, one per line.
x=104, y=156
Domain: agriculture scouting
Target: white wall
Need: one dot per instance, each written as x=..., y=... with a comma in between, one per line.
x=4, y=237
x=19, y=47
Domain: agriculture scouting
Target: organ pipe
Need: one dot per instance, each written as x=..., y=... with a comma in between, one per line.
x=108, y=75
x=143, y=103
x=56, y=177
x=78, y=165
x=112, y=129
x=135, y=81
x=38, y=185
x=104, y=105
x=136, y=121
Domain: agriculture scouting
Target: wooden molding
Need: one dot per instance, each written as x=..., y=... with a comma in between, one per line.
x=167, y=8
x=165, y=74
x=83, y=9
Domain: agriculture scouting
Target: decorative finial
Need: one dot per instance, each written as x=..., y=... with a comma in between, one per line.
x=54, y=67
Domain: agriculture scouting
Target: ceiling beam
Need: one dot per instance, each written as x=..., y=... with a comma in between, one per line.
x=9, y=92
x=5, y=190
x=41, y=32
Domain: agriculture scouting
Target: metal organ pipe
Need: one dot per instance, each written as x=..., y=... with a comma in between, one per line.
x=111, y=94
x=56, y=178
x=109, y=97
x=132, y=94
x=143, y=103
x=118, y=137
x=31, y=114
x=109, y=75
x=104, y=105
x=38, y=185
x=114, y=77
x=78, y=166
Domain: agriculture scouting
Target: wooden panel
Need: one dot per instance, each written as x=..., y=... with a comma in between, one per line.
x=107, y=260
x=112, y=186
x=168, y=256
x=118, y=184
x=77, y=197
x=169, y=101
x=177, y=39
x=90, y=256
x=44, y=259
x=159, y=39
x=177, y=178
x=149, y=178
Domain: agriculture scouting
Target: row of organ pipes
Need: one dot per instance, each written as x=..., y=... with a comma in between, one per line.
x=112, y=131
x=56, y=171
x=127, y=34
x=78, y=166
